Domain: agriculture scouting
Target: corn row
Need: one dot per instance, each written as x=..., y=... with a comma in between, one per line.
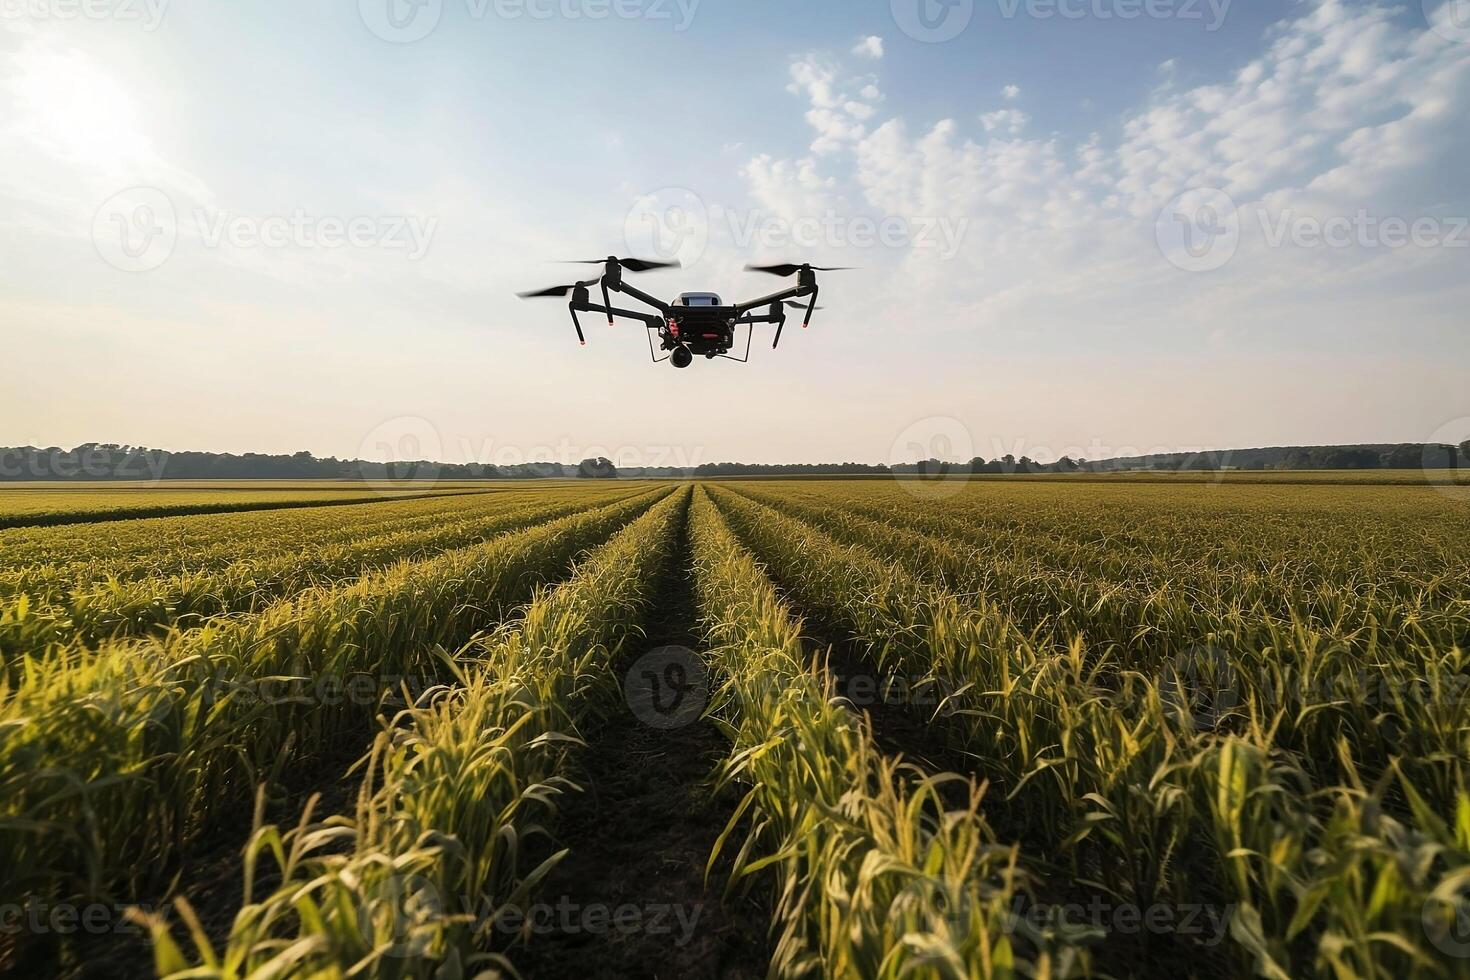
x=1185, y=786
x=115, y=757
x=875, y=877
x=458, y=786
x=94, y=507
x=44, y=562
x=119, y=609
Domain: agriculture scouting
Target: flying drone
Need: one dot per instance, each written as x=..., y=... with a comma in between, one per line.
x=695, y=323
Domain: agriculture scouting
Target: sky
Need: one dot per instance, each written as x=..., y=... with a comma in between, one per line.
x=1082, y=227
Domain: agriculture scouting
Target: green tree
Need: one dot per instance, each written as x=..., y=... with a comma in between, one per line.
x=600, y=468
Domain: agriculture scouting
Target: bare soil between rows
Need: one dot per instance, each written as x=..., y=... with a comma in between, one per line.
x=640, y=835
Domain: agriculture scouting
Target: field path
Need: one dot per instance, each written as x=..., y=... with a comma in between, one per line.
x=641, y=833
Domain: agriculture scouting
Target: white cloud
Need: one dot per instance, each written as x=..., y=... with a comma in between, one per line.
x=789, y=189
x=1345, y=109
x=1011, y=91
x=1009, y=120
x=869, y=47
x=837, y=117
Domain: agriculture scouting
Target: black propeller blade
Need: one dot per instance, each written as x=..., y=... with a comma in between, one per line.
x=785, y=269
x=562, y=291
x=632, y=265
x=798, y=306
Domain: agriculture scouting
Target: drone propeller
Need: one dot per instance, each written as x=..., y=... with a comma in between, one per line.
x=785, y=269
x=556, y=291
x=798, y=306
x=632, y=265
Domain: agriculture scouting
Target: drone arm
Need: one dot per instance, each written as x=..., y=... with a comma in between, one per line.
x=641, y=296
x=648, y=319
x=793, y=292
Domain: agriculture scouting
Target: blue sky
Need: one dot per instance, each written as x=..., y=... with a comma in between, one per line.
x=1036, y=171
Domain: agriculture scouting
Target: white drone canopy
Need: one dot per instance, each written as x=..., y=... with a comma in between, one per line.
x=698, y=299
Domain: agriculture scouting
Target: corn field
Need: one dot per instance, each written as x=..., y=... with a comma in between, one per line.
x=1068, y=728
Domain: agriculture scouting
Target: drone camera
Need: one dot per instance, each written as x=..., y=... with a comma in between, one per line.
x=681, y=357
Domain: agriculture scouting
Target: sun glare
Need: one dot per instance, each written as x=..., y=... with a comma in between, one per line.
x=80, y=111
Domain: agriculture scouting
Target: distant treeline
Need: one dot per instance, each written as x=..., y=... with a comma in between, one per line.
x=103, y=461
x=1391, y=456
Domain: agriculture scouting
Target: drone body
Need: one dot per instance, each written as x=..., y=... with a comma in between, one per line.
x=696, y=323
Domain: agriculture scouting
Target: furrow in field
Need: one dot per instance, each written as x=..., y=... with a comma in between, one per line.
x=640, y=831
x=424, y=880
x=114, y=758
